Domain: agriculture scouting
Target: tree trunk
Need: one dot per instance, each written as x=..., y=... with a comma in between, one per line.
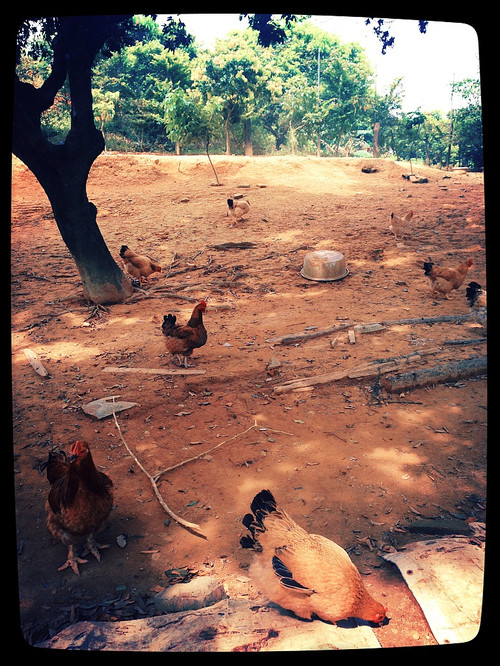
x=226, y=127
x=376, y=149
x=292, y=138
x=102, y=279
x=247, y=126
x=62, y=170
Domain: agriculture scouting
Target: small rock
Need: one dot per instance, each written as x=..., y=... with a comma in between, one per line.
x=199, y=592
x=273, y=366
x=121, y=540
x=104, y=407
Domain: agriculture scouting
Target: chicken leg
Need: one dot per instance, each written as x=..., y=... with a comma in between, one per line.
x=93, y=547
x=73, y=561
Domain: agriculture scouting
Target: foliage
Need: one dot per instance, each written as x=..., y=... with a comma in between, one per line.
x=282, y=84
x=467, y=125
x=188, y=119
x=139, y=77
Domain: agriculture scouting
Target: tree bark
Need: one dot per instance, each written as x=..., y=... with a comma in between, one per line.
x=448, y=372
x=376, y=149
x=62, y=170
x=247, y=125
x=226, y=128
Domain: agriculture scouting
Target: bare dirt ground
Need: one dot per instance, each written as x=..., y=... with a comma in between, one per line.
x=346, y=459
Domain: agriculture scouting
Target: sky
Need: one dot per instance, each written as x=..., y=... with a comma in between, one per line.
x=427, y=62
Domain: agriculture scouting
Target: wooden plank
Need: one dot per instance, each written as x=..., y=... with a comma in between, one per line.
x=37, y=365
x=293, y=338
x=154, y=371
x=367, y=369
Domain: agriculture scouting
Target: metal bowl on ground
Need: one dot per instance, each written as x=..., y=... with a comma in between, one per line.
x=324, y=266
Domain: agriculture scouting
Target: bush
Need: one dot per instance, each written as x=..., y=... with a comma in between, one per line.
x=361, y=153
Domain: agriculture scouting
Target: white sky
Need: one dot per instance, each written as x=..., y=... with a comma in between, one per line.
x=428, y=62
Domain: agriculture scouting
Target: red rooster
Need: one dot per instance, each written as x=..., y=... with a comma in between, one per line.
x=305, y=573
x=79, y=501
x=444, y=280
x=181, y=340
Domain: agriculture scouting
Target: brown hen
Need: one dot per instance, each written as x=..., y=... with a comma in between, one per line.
x=400, y=225
x=138, y=266
x=444, y=280
x=79, y=501
x=305, y=573
x=182, y=339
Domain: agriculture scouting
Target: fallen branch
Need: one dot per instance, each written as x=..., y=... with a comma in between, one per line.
x=153, y=293
x=298, y=337
x=155, y=371
x=368, y=369
x=292, y=338
x=449, y=372
x=190, y=526
x=468, y=341
x=231, y=245
x=458, y=318
x=217, y=446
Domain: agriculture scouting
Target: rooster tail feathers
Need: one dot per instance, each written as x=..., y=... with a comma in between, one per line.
x=262, y=505
x=168, y=323
x=428, y=267
x=56, y=465
x=251, y=540
x=472, y=292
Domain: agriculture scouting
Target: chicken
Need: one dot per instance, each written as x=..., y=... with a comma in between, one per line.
x=305, y=573
x=444, y=280
x=476, y=297
x=79, y=501
x=399, y=225
x=181, y=340
x=237, y=209
x=138, y=266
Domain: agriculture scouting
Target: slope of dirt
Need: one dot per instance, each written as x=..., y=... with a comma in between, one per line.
x=346, y=459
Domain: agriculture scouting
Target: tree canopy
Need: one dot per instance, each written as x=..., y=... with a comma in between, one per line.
x=279, y=85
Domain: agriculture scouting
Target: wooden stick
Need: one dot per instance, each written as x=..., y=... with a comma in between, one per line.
x=292, y=338
x=368, y=369
x=166, y=294
x=468, y=341
x=458, y=318
x=190, y=526
x=299, y=337
x=155, y=371
x=200, y=455
x=243, y=245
